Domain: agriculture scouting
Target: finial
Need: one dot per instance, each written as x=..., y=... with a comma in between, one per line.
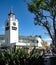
x=11, y=11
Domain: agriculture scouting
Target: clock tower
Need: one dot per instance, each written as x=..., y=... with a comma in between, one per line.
x=11, y=29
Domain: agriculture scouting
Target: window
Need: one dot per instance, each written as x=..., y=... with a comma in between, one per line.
x=37, y=41
x=7, y=28
x=14, y=23
x=14, y=28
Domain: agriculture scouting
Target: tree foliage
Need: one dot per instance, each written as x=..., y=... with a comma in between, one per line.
x=45, y=16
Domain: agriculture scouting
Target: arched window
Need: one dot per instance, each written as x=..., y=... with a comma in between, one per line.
x=7, y=24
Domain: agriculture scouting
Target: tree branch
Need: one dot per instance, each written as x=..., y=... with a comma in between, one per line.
x=47, y=28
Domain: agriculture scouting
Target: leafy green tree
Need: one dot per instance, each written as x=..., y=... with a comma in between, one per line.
x=45, y=16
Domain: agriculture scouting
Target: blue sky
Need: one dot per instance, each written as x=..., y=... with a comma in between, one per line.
x=25, y=18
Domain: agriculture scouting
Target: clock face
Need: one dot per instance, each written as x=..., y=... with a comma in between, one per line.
x=14, y=23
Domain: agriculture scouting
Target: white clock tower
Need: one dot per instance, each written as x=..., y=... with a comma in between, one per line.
x=11, y=29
